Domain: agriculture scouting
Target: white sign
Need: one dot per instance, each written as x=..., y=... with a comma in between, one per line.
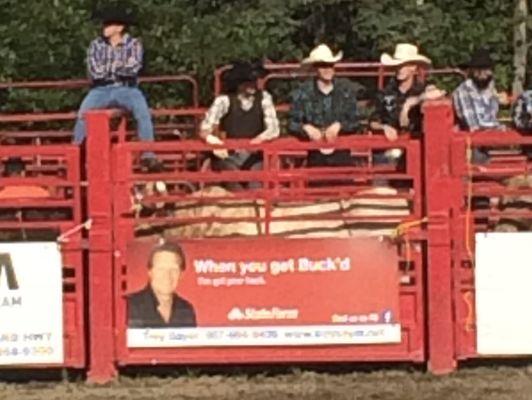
x=265, y=336
x=503, y=282
x=31, y=304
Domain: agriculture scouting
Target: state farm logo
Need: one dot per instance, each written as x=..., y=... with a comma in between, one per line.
x=236, y=314
x=6, y=267
x=255, y=314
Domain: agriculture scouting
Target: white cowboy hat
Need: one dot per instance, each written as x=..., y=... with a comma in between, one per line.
x=404, y=53
x=322, y=54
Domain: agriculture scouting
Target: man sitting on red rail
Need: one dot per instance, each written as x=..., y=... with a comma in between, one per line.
x=114, y=62
x=398, y=106
x=476, y=102
x=242, y=112
x=324, y=108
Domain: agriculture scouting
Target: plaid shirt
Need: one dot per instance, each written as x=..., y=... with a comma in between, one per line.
x=220, y=107
x=522, y=111
x=476, y=109
x=311, y=106
x=114, y=64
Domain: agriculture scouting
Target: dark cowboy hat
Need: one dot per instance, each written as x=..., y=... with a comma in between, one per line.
x=241, y=72
x=481, y=58
x=115, y=15
x=14, y=166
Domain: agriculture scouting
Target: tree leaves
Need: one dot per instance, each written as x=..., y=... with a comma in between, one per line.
x=48, y=39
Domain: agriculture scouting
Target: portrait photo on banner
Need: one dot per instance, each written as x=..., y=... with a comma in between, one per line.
x=155, y=302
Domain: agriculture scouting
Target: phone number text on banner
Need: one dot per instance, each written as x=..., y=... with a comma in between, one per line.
x=265, y=336
x=31, y=304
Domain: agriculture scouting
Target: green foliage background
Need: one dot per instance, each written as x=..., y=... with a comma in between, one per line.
x=47, y=39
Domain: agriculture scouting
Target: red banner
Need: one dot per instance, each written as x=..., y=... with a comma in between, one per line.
x=276, y=283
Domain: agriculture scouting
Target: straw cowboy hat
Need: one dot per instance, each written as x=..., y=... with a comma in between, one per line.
x=404, y=53
x=322, y=54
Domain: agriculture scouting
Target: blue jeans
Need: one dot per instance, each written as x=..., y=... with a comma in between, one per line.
x=128, y=98
x=479, y=156
x=237, y=162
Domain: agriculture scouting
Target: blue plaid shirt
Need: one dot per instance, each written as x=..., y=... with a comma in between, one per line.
x=476, y=109
x=110, y=64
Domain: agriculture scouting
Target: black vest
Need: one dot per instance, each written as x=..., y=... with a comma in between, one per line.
x=240, y=124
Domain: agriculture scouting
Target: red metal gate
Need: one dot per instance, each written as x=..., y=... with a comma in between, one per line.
x=56, y=168
x=464, y=197
x=115, y=175
x=41, y=140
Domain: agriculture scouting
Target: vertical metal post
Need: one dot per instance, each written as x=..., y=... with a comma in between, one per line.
x=438, y=127
x=101, y=305
x=380, y=80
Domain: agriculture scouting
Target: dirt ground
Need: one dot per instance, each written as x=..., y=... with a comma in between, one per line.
x=471, y=384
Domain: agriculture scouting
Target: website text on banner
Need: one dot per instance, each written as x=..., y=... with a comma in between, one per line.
x=31, y=304
x=271, y=292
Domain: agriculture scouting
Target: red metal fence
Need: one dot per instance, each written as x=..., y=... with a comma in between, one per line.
x=115, y=175
x=445, y=198
x=29, y=128
x=54, y=171
x=352, y=70
x=466, y=197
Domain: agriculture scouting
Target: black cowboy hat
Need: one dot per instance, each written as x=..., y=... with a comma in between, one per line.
x=481, y=58
x=14, y=166
x=115, y=14
x=241, y=72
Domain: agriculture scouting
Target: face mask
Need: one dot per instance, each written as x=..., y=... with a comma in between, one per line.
x=482, y=83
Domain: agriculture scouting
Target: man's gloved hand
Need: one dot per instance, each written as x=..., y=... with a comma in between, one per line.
x=216, y=141
x=390, y=132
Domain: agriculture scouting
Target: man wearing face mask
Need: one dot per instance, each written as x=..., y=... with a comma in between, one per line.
x=324, y=108
x=476, y=101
